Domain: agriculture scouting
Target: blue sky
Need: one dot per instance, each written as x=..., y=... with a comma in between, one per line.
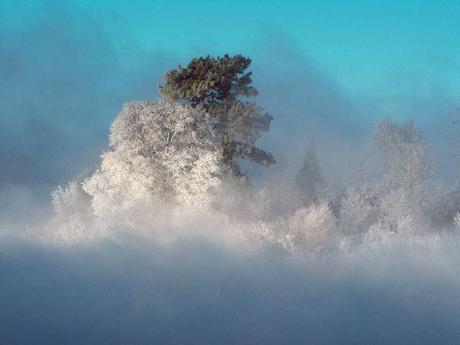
x=357, y=43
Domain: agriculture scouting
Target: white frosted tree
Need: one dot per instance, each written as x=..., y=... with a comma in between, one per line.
x=408, y=174
x=158, y=151
x=394, y=195
x=407, y=162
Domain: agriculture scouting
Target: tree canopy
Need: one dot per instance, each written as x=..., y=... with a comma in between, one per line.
x=157, y=151
x=220, y=86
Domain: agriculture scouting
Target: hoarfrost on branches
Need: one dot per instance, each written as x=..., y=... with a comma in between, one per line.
x=163, y=170
x=158, y=151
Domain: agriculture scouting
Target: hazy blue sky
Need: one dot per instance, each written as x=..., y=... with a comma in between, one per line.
x=327, y=67
x=358, y=43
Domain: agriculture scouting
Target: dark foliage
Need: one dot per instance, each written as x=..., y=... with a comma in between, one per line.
x=219, y=86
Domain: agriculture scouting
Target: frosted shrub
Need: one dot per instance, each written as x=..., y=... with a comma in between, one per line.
x=310, y=229
x=73, y=220
x=358, y=211
x=70, y=199
x=263, y=233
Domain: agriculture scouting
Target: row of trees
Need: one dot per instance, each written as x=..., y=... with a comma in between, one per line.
x=186, y=146
x=183, y=145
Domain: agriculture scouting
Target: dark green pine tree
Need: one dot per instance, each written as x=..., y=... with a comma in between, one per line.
x=220, y=86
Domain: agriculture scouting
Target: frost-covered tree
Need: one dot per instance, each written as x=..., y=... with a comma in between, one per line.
x=404, y=150
x=309, y=182
x=408, y=173
x=394, y=196
x=158, y=151
x=217, y=85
